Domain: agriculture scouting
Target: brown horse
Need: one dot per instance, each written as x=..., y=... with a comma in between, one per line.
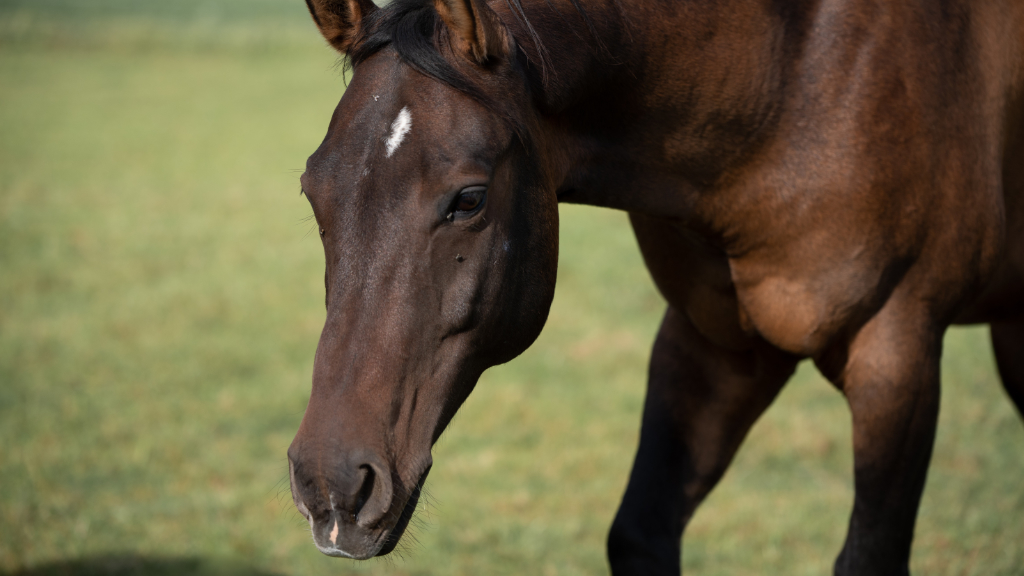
x=838, y=180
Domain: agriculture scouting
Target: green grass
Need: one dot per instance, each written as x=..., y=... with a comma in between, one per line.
x=175, y=25
x=161, y=299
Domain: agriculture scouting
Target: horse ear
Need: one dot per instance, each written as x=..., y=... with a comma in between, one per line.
x=479, y=31
x=340, y=21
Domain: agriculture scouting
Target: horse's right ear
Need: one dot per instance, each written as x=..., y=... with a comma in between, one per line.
x=340, y=21
x=478, y=31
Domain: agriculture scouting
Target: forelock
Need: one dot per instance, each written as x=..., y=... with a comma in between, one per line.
x=416, y=32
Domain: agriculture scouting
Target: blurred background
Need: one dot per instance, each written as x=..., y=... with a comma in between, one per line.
x=161, y=296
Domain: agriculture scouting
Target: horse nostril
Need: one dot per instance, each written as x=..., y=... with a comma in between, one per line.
x=365, y=490
x=367, y=499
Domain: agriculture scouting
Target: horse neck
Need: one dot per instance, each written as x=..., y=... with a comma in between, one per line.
x=662, y=94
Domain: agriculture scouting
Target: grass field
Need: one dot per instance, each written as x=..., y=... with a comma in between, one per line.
x=161, y=299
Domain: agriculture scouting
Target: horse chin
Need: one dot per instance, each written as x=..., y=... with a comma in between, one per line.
x=339, y=553
x=349, y=540
x=403, y=521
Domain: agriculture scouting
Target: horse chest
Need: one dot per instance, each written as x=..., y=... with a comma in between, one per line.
x=797, y=297
x=802, y=311
x=804, y=288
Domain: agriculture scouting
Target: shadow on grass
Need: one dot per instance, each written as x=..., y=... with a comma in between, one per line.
x=142, y=566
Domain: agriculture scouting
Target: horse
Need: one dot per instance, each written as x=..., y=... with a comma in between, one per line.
x=834, y=180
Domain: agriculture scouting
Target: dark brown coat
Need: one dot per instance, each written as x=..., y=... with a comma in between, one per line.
x=836, y=180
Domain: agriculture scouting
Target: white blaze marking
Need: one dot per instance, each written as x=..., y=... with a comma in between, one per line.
x=399, y=128
x=334, y=534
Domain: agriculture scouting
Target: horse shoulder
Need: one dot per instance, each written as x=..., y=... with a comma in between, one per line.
x=902, y=182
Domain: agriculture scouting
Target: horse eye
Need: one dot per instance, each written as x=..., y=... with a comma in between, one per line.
x=467, y=202
x=470, y=199
x=321, y=230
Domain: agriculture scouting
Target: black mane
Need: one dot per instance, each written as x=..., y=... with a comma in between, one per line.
x=417, y=33
x=421, y=39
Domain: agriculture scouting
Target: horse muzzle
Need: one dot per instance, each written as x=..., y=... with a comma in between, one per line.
x=355, y=506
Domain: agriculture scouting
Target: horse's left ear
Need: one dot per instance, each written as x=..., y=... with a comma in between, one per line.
x=340, y=21
x=476, y=27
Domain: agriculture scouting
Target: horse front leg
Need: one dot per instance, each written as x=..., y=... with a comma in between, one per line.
x=891, y=383
x=1008, y=345
x=701, y=401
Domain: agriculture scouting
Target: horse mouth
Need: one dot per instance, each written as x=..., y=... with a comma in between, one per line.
x=336, y=537
x=403, y=520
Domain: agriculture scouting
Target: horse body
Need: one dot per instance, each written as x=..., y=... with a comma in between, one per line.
x=793, y=140
x=834, y=180
x=861, y=166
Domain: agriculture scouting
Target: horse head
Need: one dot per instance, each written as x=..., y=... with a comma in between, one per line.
x=440, y=232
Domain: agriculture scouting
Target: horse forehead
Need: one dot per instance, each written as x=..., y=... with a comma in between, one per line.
x=436, y=110
x=366, y=129
x=394, y=123
x=378, y=115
